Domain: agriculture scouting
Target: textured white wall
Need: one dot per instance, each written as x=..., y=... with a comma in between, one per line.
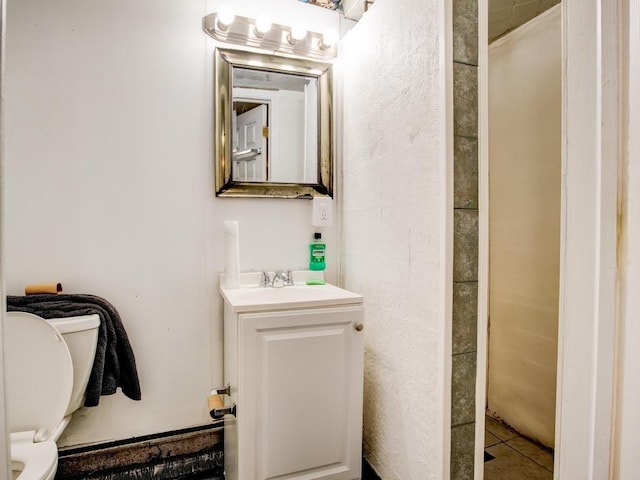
x=393, y=206
x=109, y=189
x=524, y=222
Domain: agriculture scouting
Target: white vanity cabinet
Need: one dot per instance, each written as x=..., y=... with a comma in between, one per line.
x=295, y=373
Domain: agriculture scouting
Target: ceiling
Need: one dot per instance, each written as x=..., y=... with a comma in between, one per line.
x=507, y=15
x=504, y=15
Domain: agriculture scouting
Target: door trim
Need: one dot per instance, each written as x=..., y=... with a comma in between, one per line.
x=4, y=435
x=588, y=250
x=482, y=357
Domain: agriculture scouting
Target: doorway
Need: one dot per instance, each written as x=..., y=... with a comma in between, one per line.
x=593, y=69
x=525, y=156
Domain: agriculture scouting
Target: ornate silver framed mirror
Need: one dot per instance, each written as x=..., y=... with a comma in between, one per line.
x=273, y=126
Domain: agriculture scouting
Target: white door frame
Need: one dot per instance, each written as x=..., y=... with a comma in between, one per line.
x=483, y=235
x=626, y=462
x=588, y=251
x=588, y=313
x=4, y=436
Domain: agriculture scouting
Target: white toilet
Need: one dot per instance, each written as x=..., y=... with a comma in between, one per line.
x=47, y=370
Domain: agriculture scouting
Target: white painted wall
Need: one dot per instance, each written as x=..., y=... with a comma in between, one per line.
x=525, y=102
x=109, y=189
x=395, y=208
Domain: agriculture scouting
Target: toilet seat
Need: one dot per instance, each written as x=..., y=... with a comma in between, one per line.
x=39, y=379
x=38, y=461
x=39, y=374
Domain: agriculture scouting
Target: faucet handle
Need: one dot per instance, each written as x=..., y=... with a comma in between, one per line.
x=280, y=279
x=265, y=281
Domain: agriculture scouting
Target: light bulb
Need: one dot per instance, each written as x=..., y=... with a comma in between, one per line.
x=225, y=17
x=329, y=39
x=263, y=25
x=298, y=32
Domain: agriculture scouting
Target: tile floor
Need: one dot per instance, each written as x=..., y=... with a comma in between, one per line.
x=516, y=458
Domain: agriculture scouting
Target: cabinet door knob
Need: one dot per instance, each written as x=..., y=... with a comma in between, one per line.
x=359, y=327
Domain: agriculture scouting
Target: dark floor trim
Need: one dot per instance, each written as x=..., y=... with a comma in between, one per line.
x=368, y=473
x=73, y=450
x=161, y=456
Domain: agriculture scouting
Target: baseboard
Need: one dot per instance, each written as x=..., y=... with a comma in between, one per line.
x=192, y=453
x=189, y=453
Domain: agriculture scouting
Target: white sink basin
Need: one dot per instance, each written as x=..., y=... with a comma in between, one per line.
x=257, y=299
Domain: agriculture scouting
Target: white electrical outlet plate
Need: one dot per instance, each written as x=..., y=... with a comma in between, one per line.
x=322, y=215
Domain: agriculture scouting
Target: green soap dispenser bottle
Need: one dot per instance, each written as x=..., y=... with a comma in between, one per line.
x=316, y=253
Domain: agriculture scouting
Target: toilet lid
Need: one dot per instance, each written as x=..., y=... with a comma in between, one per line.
x=39, y=374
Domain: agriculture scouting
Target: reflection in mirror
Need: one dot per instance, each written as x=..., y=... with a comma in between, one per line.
x=272, y=126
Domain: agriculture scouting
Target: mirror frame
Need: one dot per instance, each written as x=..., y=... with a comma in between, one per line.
x=224, y=61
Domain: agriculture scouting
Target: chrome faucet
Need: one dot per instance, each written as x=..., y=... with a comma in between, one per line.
x=282, y=279
x=265, y=281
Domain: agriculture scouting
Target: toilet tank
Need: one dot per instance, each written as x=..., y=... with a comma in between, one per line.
x=81, y=335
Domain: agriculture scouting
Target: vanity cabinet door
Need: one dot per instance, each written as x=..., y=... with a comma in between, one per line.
x=300, y=394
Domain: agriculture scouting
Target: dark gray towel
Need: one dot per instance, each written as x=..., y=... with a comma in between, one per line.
x=114, y=365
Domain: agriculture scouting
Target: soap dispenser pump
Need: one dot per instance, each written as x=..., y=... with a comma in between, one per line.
x=316, y=253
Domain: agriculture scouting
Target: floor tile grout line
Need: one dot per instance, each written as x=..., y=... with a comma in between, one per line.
x=505, y=442
x=526, y=456
x=501, y=439
x=491, y=446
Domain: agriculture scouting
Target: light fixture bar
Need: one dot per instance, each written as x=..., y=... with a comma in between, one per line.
x=242, y=31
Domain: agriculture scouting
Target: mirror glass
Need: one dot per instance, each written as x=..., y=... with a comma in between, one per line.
x=272, y=126
x=274, y=131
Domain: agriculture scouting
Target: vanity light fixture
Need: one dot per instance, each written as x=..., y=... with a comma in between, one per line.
x=261, y=33
x=263, y=25
x=298, y=32
x=225, y=18
x=329, y=39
